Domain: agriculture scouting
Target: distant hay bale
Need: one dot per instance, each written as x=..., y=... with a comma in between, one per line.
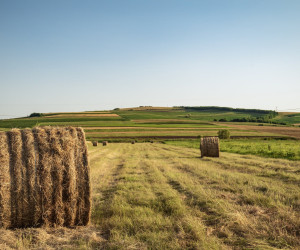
x=105, y=143
x=95, y=143
x=44, y=178
x=132, y=142
x=210, y=146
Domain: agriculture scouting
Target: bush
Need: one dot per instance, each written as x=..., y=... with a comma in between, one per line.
x=36, y=115
x=224, y=134
x=223, y=120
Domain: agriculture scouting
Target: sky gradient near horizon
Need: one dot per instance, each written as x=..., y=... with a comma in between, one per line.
x=95, y=55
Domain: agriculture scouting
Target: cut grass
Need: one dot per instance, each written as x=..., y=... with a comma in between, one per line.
x=156, y=196
x=285, y=149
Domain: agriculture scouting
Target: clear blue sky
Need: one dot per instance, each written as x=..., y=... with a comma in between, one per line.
x=71, y=55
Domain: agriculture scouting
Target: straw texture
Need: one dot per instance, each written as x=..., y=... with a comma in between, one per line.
x=44, y=178
x=210, y=146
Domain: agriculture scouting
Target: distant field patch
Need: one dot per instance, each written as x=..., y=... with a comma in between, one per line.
x=287, y=113
x=142, y=128
x=286, y=131
x=170, y=133
x=172, y=121
x=288, y=117
x=148, y=108
x=84, y=115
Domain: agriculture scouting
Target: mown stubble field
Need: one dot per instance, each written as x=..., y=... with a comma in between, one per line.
x=166, y=197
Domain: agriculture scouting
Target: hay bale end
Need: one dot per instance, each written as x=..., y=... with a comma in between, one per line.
x=44, y=178
x=210, y=146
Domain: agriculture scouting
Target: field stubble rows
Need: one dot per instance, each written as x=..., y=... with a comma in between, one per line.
x=166, y=197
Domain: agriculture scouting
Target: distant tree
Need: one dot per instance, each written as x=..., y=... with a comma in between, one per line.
x=223, y=120
x=224, y=134
x=35, y=115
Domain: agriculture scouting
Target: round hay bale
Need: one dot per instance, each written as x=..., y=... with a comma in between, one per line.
x=210, y=146
x=44, y=178
x=105, y=143
x=95, y=143
x=132, y=142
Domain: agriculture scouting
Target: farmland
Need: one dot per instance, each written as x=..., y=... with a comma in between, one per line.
x=185, y=125
x=162, y=195
x=178, y=123
x=166, y=197
x=164, y=123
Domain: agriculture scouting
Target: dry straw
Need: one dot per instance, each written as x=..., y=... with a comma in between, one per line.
x=95, y=143
x=44, y=178
x=210, y=146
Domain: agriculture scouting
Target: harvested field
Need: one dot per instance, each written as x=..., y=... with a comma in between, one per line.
x=165, y=197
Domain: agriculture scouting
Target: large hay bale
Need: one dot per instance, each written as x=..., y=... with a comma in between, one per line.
x=104, y=143
x=95, y=143
x=44, y=178
x=132, y=142
x=210, y=146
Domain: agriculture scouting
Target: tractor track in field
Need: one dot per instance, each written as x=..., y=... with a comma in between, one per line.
x=212, y=219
